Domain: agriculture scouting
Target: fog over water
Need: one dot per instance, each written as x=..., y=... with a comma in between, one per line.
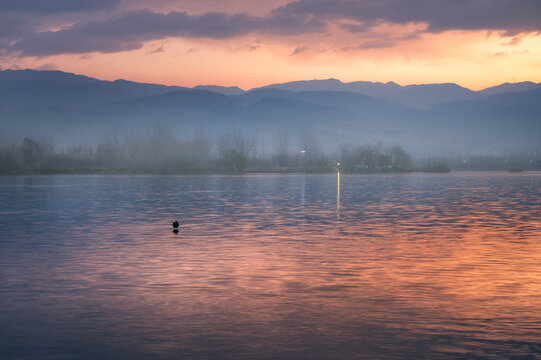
x=271, y=266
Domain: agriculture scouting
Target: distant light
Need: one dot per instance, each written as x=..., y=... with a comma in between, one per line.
x=338, y=164
x=303, y=151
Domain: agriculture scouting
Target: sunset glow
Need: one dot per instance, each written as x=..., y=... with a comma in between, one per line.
x=248, y=44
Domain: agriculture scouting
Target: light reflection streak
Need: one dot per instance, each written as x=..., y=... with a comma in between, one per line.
x=338, y=195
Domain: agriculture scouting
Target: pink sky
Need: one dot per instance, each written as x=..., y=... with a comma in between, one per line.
x=478, y=43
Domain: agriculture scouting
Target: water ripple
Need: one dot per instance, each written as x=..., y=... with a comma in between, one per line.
x=271, y=266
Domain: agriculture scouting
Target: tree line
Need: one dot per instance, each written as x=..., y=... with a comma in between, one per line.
x=159, y=151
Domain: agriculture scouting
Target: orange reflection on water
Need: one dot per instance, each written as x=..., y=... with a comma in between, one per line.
x=411, y=266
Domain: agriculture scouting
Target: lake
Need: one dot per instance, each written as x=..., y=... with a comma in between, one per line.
x=420, y=266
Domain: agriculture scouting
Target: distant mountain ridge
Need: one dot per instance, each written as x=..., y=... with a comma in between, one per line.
x=511, y=87
x=374, y=88
x=226, y=90
x=416, y=96
x=32, y=87
x=422, y=118
x=37, y=75
x=421, y=96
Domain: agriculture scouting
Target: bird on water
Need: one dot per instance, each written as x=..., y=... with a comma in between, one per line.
x=175, y=224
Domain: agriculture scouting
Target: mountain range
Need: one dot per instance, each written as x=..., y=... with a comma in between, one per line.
x=425, y=119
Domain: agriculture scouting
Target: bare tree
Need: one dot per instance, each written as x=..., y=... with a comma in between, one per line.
x=234, y=150
x=313, y=152
x=200, y=146
x=281, y=157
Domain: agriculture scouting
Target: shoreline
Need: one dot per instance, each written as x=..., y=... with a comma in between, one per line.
x=112, y=173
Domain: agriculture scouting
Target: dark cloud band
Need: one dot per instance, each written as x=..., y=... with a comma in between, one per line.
x=131, y=29
x=512, y=16
x=55, y=6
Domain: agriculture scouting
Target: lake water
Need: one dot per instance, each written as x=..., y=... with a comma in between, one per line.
x=420, y=266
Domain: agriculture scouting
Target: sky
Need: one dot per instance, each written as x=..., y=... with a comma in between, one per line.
x=474, y=43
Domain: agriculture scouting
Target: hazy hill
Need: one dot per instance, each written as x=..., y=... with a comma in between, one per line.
x=354, y=103
x=479, y=125
x=70, y=109
x=44, y=75
x=508, y=87
x=364, y=87
x=426, y=96
x=525, y=98
x=226, y=90
x=56, y=88
x=415, y=96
